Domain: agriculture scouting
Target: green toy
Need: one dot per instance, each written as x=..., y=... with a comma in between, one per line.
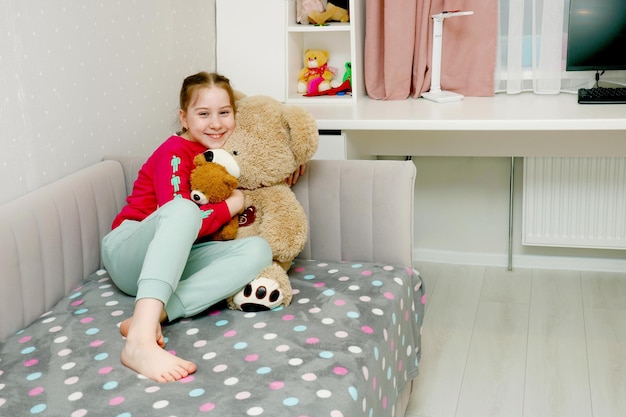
x=347, y=75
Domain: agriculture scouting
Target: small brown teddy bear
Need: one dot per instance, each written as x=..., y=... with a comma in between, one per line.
x=212, y=180
x=270, y=141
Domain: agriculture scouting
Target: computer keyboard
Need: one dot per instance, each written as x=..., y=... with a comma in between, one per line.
x=602, y=95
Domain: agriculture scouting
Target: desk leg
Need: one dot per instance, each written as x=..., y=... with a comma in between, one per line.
x=511, y=185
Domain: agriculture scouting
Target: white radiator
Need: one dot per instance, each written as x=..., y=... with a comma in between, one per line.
x=575, y=202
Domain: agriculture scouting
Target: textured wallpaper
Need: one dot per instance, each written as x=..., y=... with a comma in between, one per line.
x=83, y=79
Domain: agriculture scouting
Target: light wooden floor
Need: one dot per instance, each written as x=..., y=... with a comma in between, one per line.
x=525, y=343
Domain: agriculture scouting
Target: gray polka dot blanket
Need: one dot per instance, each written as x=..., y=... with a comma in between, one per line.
x=346, y=347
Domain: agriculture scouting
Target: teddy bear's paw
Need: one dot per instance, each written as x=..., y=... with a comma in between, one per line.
x=323, y=86
x=262, y=294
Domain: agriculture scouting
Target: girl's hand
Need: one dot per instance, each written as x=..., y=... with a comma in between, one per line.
x=293, y=179
x=235, y=202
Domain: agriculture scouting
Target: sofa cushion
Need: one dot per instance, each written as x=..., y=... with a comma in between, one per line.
x=347, y=346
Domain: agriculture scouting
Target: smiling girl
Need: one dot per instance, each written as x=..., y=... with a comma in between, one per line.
x=153, y=253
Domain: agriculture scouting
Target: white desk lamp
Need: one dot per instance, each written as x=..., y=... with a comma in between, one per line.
x=436, y=93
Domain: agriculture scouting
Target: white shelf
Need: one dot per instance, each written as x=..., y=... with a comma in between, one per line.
x=256, y=68
x=332, y=27
x=344, y=41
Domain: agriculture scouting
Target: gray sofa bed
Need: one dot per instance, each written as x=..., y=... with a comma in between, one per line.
x=348, y=345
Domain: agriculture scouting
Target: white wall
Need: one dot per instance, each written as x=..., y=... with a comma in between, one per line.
x=82, y=79
x=79, y=80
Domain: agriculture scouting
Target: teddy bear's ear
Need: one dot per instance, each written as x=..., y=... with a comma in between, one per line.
x=303, y=132
x=239, y=95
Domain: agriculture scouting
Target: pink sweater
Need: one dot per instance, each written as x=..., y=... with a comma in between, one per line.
x=165, y=176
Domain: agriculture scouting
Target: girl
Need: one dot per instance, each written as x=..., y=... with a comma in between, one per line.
x=151, y=252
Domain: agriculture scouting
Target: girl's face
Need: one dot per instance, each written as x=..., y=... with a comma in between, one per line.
x=209, y=119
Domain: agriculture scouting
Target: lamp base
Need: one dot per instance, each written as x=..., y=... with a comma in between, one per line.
x=442, y=96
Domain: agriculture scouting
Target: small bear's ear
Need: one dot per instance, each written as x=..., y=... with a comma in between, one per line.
x=199, y=160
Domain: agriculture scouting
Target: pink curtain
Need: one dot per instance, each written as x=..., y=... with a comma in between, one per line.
x=398, y=47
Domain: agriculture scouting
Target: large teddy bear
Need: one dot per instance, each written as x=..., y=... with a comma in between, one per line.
x=271, y=140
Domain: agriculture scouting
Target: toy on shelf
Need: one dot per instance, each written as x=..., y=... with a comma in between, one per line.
x=340, y=90
x=347, y=75
x=304, y=7
x=316, y=76
x=344, y=88
x=336, y=11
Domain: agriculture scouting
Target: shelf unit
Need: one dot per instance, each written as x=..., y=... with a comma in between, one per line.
x=344, y=42
x=262, y=50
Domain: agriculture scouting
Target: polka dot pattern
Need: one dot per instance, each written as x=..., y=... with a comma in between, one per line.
x=80, y=81
x=346, y=346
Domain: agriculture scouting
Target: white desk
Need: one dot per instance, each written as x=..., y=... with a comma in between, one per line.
x=505, y=125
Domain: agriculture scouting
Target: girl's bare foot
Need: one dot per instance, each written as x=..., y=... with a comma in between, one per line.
x=125, y=325
x=143, y=353
x=150, y=360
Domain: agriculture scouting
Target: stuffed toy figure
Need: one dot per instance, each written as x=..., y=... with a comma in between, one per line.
x=336, y=11
x=304, y=7
x=213, y=179
x=270, y=141
x=316, y=75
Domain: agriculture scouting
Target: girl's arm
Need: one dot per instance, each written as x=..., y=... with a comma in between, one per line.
x=235, y=202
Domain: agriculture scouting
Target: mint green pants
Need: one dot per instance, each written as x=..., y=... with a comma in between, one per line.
x=157, y=258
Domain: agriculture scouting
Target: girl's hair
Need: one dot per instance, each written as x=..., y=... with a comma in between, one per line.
x=203, y=79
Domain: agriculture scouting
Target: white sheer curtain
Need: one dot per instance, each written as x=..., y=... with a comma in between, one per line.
x=532, y=49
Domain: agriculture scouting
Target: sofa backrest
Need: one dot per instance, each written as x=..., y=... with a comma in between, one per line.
x=358, y=210
x=50, y=240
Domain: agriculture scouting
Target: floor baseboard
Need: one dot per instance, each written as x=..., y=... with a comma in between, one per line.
x=521, y=261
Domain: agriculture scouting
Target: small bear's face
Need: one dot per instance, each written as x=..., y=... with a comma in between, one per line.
x=218, y=156
x=315, y=58
x=214, y=176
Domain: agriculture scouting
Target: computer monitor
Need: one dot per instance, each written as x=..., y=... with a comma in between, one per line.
x=596, y=35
